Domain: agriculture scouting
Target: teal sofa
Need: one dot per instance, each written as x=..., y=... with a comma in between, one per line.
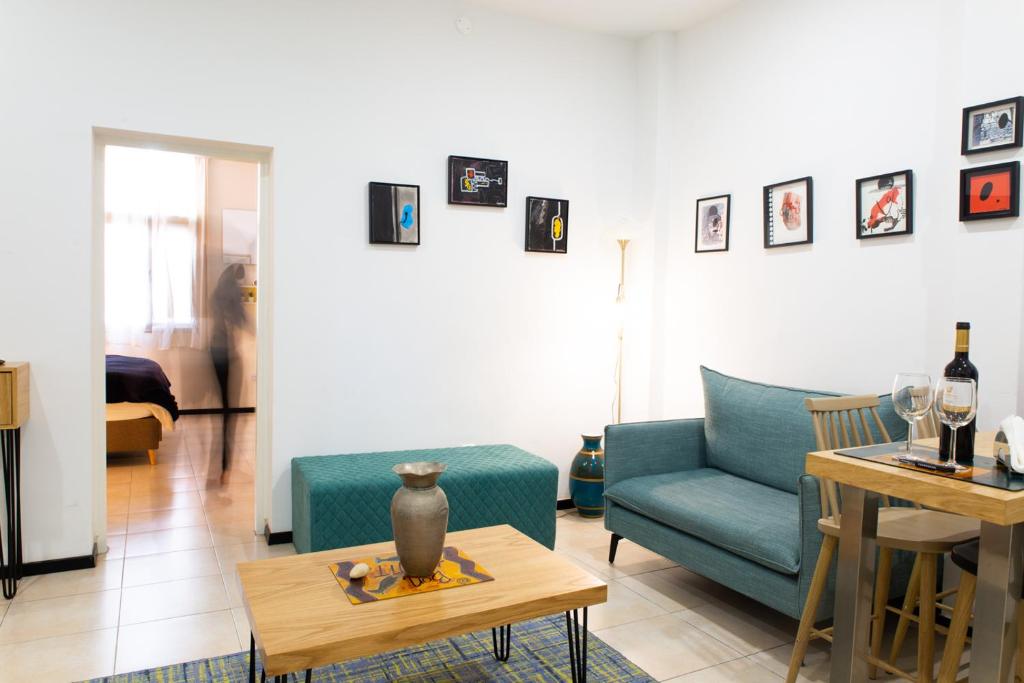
x=726, y=495
x=340, y=501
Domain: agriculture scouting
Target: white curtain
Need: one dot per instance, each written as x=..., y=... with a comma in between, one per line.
x=154, y=247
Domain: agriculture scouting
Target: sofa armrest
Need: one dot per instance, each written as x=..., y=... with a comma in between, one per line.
x=642, y=448
x=810, y=537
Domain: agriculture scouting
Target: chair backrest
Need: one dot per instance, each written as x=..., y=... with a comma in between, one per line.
x=927, y=427
x=842, y=422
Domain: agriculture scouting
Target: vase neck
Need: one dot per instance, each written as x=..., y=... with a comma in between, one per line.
x=591, y=443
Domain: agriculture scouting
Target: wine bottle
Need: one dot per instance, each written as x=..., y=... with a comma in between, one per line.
x=960, y=366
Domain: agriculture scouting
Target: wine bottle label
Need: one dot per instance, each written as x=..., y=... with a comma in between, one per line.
x=956, y=397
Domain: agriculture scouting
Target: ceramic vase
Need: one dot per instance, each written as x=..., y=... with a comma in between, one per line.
x=419, y=517
x=586, y=478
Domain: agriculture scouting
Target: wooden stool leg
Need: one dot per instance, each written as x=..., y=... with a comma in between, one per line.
x=909, y=600
x=881, y=600
x=926, y=619
x=818, y=581
x=958, y=628
x=152, y=456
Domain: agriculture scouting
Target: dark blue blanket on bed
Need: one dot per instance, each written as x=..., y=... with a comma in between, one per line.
x=139, y=380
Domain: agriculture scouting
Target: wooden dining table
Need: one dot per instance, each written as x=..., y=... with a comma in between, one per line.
x=1000, y=557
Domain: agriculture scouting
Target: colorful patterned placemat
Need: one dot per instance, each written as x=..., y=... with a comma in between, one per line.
x=386, y=579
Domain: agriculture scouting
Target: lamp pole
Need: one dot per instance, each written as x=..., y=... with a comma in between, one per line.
x=620, y=300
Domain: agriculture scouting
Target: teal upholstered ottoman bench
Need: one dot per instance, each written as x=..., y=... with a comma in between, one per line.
x=345, y=500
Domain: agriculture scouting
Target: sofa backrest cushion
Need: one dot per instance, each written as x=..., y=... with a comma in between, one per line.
x=763, y=432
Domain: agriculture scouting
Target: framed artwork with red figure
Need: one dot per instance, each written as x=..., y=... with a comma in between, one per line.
x=885, y=205
x=990, y=191
x=789, y=213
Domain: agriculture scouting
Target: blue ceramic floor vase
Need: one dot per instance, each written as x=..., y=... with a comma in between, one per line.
x=586, y=478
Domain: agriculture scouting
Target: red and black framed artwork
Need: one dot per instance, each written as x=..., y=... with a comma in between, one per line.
x=990, y=191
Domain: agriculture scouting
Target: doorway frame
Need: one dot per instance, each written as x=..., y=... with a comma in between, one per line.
x=231, y=151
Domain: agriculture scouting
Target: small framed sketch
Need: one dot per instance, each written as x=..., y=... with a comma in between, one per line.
x=712, y=228
x=479, y=182
x=789, y=213
x=992, y=126
x=885, y=205
x=990, y=191
x=394, y=214
x=547, y=225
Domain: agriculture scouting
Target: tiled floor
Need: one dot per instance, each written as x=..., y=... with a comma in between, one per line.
x=167, y=590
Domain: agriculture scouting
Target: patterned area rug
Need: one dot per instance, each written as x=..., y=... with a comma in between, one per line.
x=540, y=652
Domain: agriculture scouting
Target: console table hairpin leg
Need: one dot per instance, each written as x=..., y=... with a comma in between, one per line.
x=10, y=452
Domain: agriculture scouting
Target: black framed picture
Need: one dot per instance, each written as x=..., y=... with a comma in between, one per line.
x=990, y=191
x=885, y=205
x=394, y=214
x=547, y=225
x=712, y=227
x=789, y=213
x=479, y=182
x=992, y=125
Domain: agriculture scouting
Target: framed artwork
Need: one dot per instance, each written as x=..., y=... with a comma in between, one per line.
x=547, y=225
x=789, y=213
x=990, y=191
x=479, y=182
x=992, y=126
x=712, y=228
x=394, y=214
x=885, y=205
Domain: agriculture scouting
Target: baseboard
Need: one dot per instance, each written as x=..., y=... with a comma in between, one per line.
x=564, y=504
x=215, y=411
x=60, y=564
x=276, y=537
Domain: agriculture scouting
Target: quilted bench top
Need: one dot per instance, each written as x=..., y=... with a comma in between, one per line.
x=463, y=461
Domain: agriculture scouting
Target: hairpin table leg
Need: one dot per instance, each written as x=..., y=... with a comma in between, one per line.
x=502, y=640
x=577, y=649
x=252, y=658
x=10, y=453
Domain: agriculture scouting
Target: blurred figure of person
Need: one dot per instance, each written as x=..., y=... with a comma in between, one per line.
x=227, y=317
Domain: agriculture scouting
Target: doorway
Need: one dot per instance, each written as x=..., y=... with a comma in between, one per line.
x=182, y=448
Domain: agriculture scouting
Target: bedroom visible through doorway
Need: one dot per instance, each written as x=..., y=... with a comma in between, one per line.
x=180, y=245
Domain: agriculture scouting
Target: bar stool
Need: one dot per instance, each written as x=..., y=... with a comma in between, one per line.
x=965, y=556
x=842, y=422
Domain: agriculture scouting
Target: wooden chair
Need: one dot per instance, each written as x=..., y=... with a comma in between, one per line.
x=966, y=557
x=843, y=422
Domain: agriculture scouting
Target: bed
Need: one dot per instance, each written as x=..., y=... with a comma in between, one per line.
x=140, y=405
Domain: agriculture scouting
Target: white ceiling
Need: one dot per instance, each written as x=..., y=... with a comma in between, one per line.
x=623, y=17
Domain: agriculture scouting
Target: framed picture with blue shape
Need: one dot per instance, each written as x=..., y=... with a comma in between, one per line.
x=394, y=214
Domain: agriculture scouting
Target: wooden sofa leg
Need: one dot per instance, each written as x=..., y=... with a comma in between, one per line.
x=613, y=548
x=818, y=581
x=152, y=456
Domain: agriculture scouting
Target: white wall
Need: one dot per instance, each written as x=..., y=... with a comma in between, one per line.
x=465, y=338
x=772, y=91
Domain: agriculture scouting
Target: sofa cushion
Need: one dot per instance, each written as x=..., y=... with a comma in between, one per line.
x=763, y=432
x=752, y=520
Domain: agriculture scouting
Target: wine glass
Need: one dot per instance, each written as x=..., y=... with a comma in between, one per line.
x=956, y=403
x=911, y=398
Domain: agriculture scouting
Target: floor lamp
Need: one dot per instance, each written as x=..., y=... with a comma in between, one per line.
x=620, y=300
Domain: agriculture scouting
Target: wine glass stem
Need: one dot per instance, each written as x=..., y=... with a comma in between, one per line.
x=952, y=444
x=910, y=434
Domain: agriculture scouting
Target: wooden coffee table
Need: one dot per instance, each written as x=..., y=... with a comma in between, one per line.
x=301, y=618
